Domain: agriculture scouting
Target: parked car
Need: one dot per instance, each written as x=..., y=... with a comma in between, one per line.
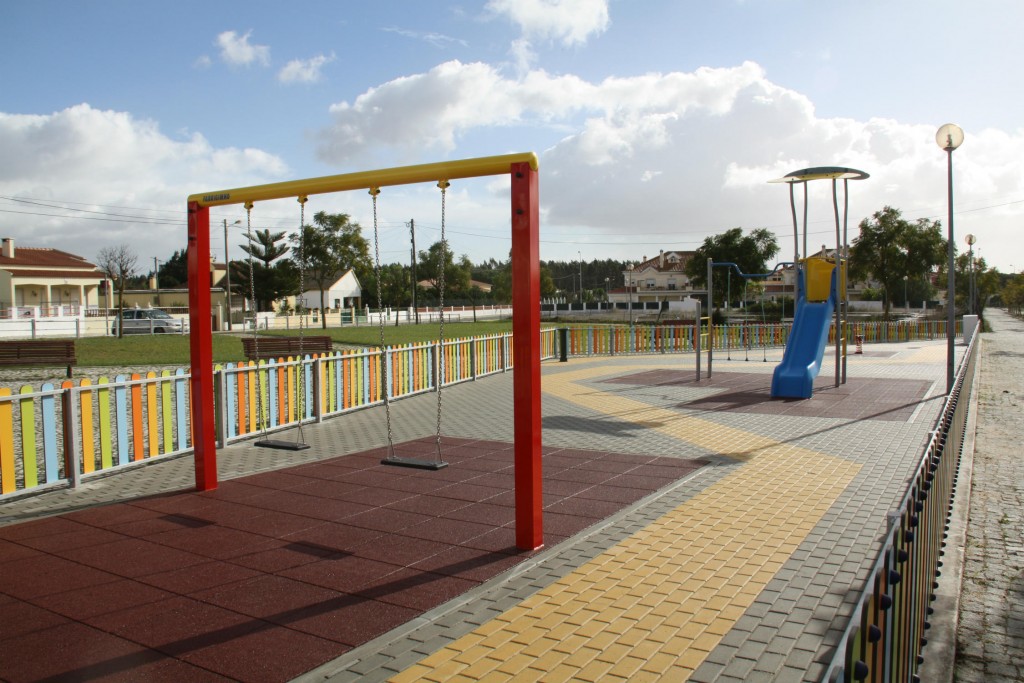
x=149, y=321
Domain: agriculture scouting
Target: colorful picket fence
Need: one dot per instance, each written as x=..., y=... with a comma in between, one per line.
x=60, y=434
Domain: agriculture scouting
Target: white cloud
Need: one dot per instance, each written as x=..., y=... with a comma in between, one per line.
x=122, y=169
x=570, y=22
x=304, y=70
x=236, y=50
x=438, y=40
x=715, y=136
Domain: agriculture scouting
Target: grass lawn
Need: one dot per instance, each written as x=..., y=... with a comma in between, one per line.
x=172, y=349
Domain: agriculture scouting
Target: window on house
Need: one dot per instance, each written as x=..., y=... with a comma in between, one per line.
x=672, y=284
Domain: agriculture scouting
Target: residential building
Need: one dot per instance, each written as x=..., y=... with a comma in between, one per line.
x=43, y=282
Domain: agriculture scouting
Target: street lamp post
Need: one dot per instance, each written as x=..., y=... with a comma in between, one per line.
x=606, y=299
x=970, y=273
x=949, y=137
x=580, y=254
x=906, y=302
x=630, y=293
x=227, y=270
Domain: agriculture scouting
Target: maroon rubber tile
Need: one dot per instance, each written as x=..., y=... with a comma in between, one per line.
x=419, y=590
x=133, y=557
x=328, y=488
x=10, y=552
x=352, y=620
x=432, y=506
x=233, y=490
x=284, y=556
x=343, y=538
x=468, y=492
x=273, y=523
x=484, y=513
x=22, y=618
x=400, y=550
x=309, y=506
x=443, y=530
x=304, y=583
x=40, y=575
x=183, y=502
x=92, y=601
x=386, y=519
x=469, y=563
x=269, y=655
x=198, y=577
x=107, y=516
x=176, y=626
x=582, y=475
x=40, y=527
x=214, y=542
x=58, y=543
x=346, y=574
x=73, y=652
x=162, y=522
x=277, y=480
x=267, y=597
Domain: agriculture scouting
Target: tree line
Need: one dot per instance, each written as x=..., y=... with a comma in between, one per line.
x=900, y=259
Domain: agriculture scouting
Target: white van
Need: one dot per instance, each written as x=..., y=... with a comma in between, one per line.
x=149, y=321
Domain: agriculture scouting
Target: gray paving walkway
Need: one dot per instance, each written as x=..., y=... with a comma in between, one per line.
x=765, y=476
x=990, y=635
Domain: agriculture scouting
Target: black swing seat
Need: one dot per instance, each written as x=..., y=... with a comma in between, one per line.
x=282, y=445
x=418, y=463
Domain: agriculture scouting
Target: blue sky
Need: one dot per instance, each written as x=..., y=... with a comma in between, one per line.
x=657, y=122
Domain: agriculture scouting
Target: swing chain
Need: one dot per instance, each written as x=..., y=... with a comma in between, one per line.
x=300, y=398
x=374, y=191
x=443, y=184
x=255, y=317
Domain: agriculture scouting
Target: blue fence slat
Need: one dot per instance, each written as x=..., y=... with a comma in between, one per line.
x=49, y=417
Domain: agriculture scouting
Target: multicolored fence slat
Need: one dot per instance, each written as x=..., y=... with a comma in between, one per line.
x=133, y=419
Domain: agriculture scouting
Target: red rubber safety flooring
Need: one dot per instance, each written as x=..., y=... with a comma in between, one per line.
x=273, y=574
x=860, y=398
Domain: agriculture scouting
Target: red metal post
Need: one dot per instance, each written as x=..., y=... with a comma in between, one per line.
x=526, y=356
x=201, y=347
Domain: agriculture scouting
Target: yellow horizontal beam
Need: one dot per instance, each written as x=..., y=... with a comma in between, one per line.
x=403, y=175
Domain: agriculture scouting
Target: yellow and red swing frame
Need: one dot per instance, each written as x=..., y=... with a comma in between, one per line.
x=523, y=169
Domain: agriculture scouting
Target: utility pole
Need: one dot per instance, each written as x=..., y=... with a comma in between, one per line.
x=227, y=270
x=412, y=234
x=156, y=282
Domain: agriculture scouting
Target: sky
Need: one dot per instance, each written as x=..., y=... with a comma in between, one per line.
x=656, y=122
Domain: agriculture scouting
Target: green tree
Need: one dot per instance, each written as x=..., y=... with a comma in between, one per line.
x=327, y=250
x=118, y=264
x=890, y=247
x=174, y=271
x=750, y=252
x=261, y=277
x=456, y=273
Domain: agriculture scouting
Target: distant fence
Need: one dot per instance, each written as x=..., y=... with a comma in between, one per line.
x=59, y=435
x=888, y=628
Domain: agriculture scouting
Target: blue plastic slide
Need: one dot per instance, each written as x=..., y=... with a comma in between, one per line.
x=794, y=376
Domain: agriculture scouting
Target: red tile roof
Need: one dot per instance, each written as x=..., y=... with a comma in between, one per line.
x=45, y=258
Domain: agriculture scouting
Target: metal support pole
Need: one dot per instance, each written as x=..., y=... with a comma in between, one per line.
x=951, y=279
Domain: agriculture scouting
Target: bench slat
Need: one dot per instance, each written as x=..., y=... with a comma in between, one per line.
x=273, y=347
x=39, y=352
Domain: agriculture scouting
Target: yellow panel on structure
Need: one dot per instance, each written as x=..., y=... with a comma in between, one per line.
x=403, y=175
x=819, y=278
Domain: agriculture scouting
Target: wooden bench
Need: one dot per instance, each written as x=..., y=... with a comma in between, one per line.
x=283, y=347
x=39, y=352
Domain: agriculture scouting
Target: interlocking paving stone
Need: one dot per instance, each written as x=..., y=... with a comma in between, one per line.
x=583, y=410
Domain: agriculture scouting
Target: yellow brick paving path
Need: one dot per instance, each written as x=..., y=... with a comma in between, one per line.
x=654, y=606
